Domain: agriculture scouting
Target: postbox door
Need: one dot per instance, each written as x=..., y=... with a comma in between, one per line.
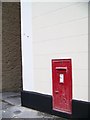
x=62, y=85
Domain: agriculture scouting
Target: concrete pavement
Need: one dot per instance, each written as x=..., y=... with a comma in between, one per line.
x=10, y=107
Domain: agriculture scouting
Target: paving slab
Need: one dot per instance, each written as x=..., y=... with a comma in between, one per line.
x=10, y=94
x=0, y=105
x=34, y=119
x=6, y=105
x=22, y=112
x=14, y=100
x=0, y=114
x=11, y=109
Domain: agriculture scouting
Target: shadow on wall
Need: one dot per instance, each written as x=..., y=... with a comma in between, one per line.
x=11, y=47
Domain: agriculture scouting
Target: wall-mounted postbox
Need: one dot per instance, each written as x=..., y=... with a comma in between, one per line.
x=62, y=85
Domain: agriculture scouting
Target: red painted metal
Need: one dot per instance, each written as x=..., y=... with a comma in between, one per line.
x=62, y=90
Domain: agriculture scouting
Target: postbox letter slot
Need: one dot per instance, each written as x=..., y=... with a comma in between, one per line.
x=61, y=68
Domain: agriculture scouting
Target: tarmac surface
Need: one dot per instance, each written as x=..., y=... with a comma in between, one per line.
x=10, y=107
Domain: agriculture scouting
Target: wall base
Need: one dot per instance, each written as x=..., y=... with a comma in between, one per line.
x=42, y=102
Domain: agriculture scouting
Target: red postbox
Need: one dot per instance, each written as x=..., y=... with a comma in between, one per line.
x=62, y=85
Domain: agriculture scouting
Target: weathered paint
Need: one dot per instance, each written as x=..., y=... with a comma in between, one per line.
x=62, y=87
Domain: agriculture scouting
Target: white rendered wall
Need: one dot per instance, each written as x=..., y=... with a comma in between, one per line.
x=59, y=30
x=27, y=54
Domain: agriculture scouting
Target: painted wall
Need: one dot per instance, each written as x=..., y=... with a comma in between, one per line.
x=55, y=30
x=27, y=54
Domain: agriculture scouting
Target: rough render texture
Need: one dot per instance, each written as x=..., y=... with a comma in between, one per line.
x=0, y=46
x=11, y=50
